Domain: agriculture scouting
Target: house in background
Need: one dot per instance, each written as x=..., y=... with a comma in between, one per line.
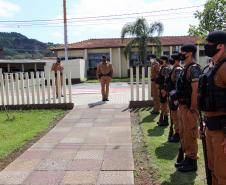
x=91, y=51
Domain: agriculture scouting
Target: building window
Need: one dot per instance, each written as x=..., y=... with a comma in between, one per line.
x=202, y=53
x=94, y=59
x=166, y=53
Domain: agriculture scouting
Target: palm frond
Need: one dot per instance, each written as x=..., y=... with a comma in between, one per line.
x=128, y=48
x=127, y=30
x=156, y=27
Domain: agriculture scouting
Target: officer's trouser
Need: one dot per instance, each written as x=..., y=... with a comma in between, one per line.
x=188, y=131
x=105, y=81
x=216, y=156
x=164, y=109
x=155, y=95
x=61, y=83
x=174, y=118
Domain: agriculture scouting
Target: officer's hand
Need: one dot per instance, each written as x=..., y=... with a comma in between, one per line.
x=224, y=144
x=163, y=92
x=202, y=132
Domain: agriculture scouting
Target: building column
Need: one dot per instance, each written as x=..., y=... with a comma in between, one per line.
x=171, y=50
x=197, y=54
x=35, y=67
x=110, y=51
x=8, y=68
x=120, y=62
x=22, y=67
x=153, y=50
x=86, y=61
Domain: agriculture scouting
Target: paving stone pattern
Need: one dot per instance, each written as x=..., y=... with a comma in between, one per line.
x=89, y=146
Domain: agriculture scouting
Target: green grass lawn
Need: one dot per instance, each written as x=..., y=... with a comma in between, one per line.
x=163, y=155
x=27, y=124
x=126, y=79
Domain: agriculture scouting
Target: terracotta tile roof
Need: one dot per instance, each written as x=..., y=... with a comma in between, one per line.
x=116, y=42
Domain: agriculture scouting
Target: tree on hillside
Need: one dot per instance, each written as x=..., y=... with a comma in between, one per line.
x=142, y=34
x=213, y=17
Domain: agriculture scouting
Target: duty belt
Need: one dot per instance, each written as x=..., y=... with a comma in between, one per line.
x=216, y=123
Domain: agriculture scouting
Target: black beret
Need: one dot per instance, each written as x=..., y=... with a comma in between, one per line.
x=189, y=48
x=151, y=56
x=164, y=57
x=175, y=56
x=58, y=59
x=217, y=37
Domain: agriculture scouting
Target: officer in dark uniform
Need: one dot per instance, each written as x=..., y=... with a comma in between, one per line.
x=187, y=91
x=171, y=90
x=212, y=100
x=163, y=75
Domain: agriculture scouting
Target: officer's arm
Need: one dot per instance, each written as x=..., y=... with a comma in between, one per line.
x=194, y=95
x=53, y=67
x=195, y=72
x=111, y=70
x=98, y=71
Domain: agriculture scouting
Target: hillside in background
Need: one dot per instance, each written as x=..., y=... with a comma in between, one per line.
x=18, y=46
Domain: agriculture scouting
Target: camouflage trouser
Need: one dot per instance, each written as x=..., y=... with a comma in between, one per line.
x=155, y=95
x=216, y=156
x=188, y=131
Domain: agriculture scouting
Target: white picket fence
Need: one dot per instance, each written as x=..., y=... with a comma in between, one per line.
x=34, y=88
x=140, y=88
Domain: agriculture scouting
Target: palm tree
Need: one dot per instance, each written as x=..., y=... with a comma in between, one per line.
x=142, y=34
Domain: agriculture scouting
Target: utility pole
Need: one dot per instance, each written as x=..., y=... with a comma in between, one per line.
x=65, y=32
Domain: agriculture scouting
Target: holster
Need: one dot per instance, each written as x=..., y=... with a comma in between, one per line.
x=216, y=123
x=162, y=99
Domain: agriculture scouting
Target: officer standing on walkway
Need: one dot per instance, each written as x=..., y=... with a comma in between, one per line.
x=171, y=89
x=155, y=67
x=212, y=100
x=187, y=91
x=104, y=75
x=163, y=75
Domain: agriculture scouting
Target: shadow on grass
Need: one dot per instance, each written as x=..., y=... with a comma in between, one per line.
x=148, y=119
x=156, y=131
x=178, y=178
x=167, y=151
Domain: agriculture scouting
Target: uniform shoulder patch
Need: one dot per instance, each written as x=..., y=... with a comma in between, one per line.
x=195, y=72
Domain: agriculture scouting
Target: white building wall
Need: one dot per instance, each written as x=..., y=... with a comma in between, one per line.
x=76, y=67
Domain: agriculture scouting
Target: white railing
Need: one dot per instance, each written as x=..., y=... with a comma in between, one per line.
x=34, y=88
x=141, y=92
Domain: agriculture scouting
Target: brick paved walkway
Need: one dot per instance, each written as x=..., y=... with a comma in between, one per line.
x=89, y=146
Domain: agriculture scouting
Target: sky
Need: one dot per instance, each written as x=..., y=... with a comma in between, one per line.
x=42, y=19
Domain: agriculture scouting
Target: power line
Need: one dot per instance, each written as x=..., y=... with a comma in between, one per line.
x=101, y=16
x=93, y=24
x=107, y=19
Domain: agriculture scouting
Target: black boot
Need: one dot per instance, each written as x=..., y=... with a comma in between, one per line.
x=180, y=158
x=154, y=112
x=174, y=139
x=189, y=166
x=165, y=122
x=160, y=119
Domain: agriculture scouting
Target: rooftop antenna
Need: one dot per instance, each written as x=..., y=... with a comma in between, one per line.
x=65, y=32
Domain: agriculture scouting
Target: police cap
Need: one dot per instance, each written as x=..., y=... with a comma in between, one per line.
x=164, y=57
x=217, y=37
x=58, y=59
x=151, y=56
x=175, y=56
x=189, y=48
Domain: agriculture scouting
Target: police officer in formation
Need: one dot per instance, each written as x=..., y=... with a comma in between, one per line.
x=187, y=91
x=155, y=67
x=162, y=76
x=212, y=101
x=171, y=90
